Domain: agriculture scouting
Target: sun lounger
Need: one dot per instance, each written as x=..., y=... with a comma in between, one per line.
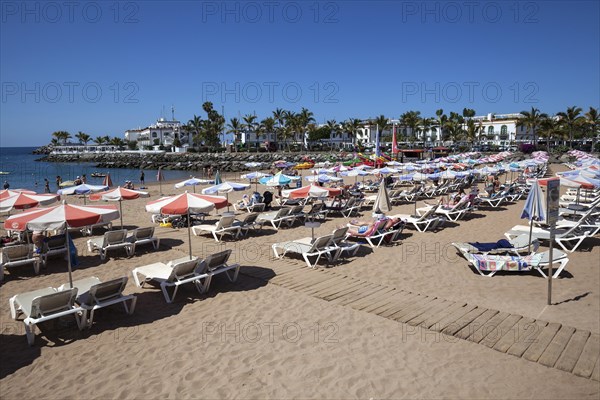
x=54, y=245
x=141, y=236
x=317, y=211
x=275, y=218
x=569, y=238
x=173, y=274
x=43, y=305
x=17, y=255
x=111, y=240
x=516, y=246
x=339, y=242
x=225, y=226
x=247, y=223
x=488, y=265
x=422, y=222
x=320, y=246
x=94, y=294
x=453, y=213
x=382, y=231
x=216, y=264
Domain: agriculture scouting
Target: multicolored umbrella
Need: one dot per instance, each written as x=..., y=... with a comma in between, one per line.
x=119, y=194
x=63, y=216
x=25, y=199
x=186, y=203
x=4, y=193
x=278, y=179
x=312, y=190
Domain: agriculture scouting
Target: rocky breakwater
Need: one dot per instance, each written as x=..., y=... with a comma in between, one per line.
x=227, y=162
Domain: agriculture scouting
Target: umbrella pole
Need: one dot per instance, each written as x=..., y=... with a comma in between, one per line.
x=189, y=222
x=550, y=264
x=69, y=266
x=227, y=194
x=531, y=222
x=121, y=212
x=84, y=199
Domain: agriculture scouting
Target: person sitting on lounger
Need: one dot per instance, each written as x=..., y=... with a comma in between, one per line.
x=244, y=202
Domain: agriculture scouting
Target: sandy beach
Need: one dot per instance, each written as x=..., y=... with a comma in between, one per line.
x=256, y=339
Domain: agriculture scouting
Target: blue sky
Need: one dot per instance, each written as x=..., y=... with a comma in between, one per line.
x=104, y=67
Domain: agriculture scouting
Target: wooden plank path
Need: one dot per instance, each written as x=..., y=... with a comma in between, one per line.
x=551, y=344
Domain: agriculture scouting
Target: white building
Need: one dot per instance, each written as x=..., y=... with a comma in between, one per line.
x=163, y=132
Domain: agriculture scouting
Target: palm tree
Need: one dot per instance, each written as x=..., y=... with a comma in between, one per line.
x=195, y=127
x=441, y=120
x=425, y=125
x=352, y=126
x=593, y=123
x=83, y=138
x=572, y=120
x=61, y=136
x=250, y=125
x=305, y=118
x=334, y=127
x=279, y=117
x=235, y=127
x=267, y=126
x=411, y=119
x=289, y=127
x=100, y=140
x=550, y=128
x=532, y=120
x=117, y=141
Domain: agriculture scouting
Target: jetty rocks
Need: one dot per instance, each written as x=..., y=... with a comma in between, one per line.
x=229, y=162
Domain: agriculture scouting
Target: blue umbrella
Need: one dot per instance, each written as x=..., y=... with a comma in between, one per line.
x=322, y=178
x=278, y=179
x=534, y=208
x=225, y=187
x=82, y=189
x=193, y=182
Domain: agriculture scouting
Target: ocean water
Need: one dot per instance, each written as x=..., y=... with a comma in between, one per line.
x=26, y=173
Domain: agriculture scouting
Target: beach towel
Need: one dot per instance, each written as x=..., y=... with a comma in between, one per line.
x=505, y=263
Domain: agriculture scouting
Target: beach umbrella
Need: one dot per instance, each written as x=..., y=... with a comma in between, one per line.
x=82, y=189
x=107, y=181
x=160, y=178
x=193, y=182
x=322, y=178
x=393, y=163
x=255, y=176
x=534, y=208
x=62, y=216
x=67, y=183
x=356, y=173
x=4, y=193
x=226, y=187
x=279, y=179
x=24, y=200
x=253, y=164
x=312, y=190
x=385, y=171
x=119, y=194
x=382, y=202
x=186, y=203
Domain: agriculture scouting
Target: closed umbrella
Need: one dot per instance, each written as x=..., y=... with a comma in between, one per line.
x=63, y=216
x=382, y=202
x=186, y=203
x=534, y=208
x=119, y=194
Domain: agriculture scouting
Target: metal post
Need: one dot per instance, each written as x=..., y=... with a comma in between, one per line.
x=189, y=232
x=550, y=264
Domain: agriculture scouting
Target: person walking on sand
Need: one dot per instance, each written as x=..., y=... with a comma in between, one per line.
x=142, y=178
x=46, y=185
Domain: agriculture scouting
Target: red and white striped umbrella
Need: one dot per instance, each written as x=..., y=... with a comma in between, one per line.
x=313, y=190
x=119, y=194
x=24, y=200
x=4, y=193
x=61, y=217
x=186, y=203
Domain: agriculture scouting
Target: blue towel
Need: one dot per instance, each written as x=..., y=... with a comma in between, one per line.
x=500, y=244
x=73, y=253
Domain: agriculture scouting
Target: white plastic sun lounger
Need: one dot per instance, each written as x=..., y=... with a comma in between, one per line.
x=321, y=246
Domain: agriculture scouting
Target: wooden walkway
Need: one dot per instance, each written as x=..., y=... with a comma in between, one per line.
x=550, y=344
